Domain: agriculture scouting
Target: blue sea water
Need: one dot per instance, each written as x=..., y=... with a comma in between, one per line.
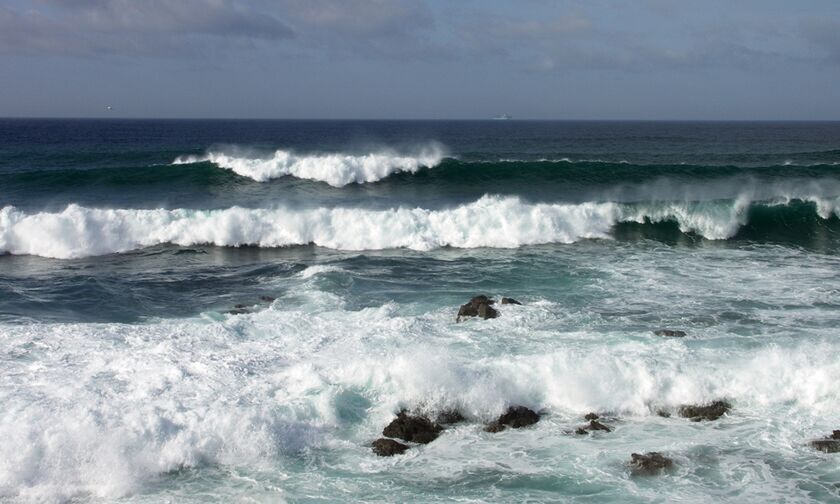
x=231, y=311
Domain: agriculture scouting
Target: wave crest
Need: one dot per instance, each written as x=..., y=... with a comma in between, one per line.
x=491, y=221
x=336, y=169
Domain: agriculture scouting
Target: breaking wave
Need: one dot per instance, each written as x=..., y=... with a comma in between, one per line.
x=491, y=221
x=336, y=169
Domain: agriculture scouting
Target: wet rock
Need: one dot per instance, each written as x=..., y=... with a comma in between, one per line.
x=670, y=333
x=590, y=416
x=417, y=429
x=594, y=425
x=494, y=427
x=239, y=309
x=649, y=463
x=663, y=413
x=388, y=447
x=447, y=417
x=474, y=308
x=486, y=311
x=711, y=411
x=506, y=300
x=267, y=299
x=515, y=417
x=826, y=445
x=830, y=444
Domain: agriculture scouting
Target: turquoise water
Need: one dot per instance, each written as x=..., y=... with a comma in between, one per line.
x=125, y=378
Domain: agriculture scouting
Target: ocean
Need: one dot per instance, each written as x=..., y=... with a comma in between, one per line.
x=232, y=311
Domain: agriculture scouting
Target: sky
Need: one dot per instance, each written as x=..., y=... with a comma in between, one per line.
x=432, y=59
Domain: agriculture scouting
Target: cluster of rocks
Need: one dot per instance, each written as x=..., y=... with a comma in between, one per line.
x=239, y=309
x=592, y=426
x=482, y=306
x=420, y=429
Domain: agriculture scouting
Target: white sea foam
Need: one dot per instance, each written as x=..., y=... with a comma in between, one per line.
x=103, y=409
x=336, y=169
x=491, y=221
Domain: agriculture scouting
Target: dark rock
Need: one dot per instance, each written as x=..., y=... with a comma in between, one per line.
x=671, y=333
x=486, y=311
x=472, y=308
x=826, y=445
x=447, y=417
x=711, y=411
x=649, y=463
x=831, y=444
x=510, y=301
x=267, y=299
x=239, y=309
x=581, y=431
x=417, y=429
x=515, y=417
x=388, y=447
x=494, y=427
x=663, y=413
x=594, y=425
x=590, y=416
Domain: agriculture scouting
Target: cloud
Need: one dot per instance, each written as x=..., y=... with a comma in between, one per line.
x=823, y=33
x=134, y=27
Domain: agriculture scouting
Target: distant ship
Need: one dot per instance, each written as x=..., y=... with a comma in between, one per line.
x=503, y=117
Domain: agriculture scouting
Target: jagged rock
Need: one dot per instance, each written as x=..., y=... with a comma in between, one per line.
x=671, y=333
x=649, y=463
x=830, y=444
x=417, y=429
x=663, y=413
x=486, y=311
x=594, y=425
x=826, y=445
x=515, y=417
x=591, y=416
x=447, y=417
x=711, y=411
x=479, y=306
x=388, y=447
x=506, y=300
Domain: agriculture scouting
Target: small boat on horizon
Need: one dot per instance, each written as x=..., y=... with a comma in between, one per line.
x=503, y=117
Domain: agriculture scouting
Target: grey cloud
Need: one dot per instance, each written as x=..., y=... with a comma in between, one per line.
x=126, y=26
x=824, y=34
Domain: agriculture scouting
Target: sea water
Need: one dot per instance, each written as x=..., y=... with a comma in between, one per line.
x=231, y=311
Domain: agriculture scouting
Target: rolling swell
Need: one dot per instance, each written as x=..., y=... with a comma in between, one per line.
x=201, y=173
x=490, y=222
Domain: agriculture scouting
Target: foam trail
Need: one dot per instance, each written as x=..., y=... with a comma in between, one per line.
x=491, y=221
x=336, y=169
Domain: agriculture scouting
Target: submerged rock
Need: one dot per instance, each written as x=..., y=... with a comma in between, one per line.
x=594, y=425
x=830, y=444
x=417, y=429
x=711, y=411
x=447, y=417
x=670, y=333
x=239, y=309
x=507, y=300
x=515, y=417
x=649, y=463
x=267, y=299
x=388, y=447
